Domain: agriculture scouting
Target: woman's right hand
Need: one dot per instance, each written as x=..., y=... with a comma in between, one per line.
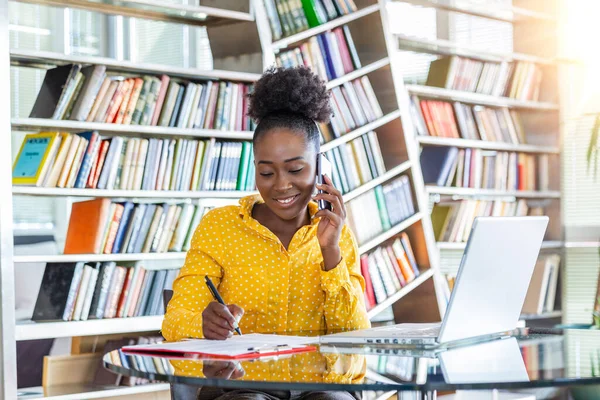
x=218, y=320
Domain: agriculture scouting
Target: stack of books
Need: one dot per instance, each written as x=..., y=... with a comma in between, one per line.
x=452, y=220
x=356, y=162
x=288, y=17
x=87, y=160
x=485, y=169
x=458, y=120
x=102, y=226
x=89, y=94
x=330, y=55
x=387, y=269
x=82, y=291
x=376, y=211
x=518, y=80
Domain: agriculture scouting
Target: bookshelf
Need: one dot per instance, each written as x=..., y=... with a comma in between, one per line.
x=368, y=27
x=534, y=27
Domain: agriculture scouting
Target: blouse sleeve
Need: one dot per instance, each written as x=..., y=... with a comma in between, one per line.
x=183, y=317
x=344, y=289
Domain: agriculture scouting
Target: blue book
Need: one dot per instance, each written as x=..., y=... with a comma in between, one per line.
x=93, y=139
x=324, y=46
x=104, y=278
x=123, y=225
x=436, y=163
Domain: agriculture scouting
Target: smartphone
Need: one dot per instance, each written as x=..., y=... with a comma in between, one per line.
x=323, y=168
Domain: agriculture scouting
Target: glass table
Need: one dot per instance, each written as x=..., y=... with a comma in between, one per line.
x=527, y=359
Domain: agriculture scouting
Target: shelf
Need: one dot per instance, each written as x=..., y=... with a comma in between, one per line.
x=545, y=315
x=449, y=48
x=582, y=245
x=521, y=194
x=401, y=293
x=392, y=173
x=29, y=124
x=46, y=59
x=377, y=240
x=135, y=194
x=478, y=98
x=29, y=330
x=360, y=131
x=83, y=391
x=154, y=9
x=367, y=69
x=66, y=258
x=486, y=145
x=507, y=14
x=285, y=42
x=547, y=244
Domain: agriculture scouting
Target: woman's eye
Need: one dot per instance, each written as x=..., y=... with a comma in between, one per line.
x=295, y=171
x=266, y=173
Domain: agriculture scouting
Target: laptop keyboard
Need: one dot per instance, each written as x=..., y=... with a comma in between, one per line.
x=413, y=330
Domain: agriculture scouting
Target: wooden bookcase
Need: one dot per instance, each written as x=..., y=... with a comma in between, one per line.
x=242, y=48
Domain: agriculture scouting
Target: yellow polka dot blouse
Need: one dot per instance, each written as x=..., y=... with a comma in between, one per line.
x=280, y=290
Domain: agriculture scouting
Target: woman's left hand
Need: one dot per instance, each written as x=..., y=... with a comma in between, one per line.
x=331, y=223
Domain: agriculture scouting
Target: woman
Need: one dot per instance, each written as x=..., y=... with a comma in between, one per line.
x=280, y=264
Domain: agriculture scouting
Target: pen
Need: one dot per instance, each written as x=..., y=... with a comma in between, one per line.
x=218, y=297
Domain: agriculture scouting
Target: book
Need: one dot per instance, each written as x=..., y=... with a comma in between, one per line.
x=55, y=291
x=34, y=158
x=86, y=226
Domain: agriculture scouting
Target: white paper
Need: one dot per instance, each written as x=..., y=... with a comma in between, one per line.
x=234, y=346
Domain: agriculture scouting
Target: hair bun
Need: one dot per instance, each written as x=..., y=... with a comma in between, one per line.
x=290, y=90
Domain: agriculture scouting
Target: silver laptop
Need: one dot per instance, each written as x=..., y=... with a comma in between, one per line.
x=490, y=288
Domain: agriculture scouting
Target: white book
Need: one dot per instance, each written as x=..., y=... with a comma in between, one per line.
x=167, y=177
x=182, y=227
x=366, y=84
x=81, y=294
x=235, y=92
x=89, y=294
x=162, y=164
x=126, y=170
x=139, y=166
x=117, y=141
x=189, y=165
x=184, y=115
x=194, y=106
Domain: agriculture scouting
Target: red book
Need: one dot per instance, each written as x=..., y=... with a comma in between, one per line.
x=164, y=83
x=113, y=227
x=101, y=157
x=424, y=104
x=126, y=287
x=369, y=294
x=343, y=48
x=397, y=269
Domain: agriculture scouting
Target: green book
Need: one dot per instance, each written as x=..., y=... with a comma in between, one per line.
x=313, y=13
x=383, y=213
x=284, y=17
x=243, y=171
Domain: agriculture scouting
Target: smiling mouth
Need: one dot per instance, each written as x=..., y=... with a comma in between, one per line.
x=285, y=201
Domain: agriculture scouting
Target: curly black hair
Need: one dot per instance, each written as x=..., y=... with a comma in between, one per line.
x=292, y=98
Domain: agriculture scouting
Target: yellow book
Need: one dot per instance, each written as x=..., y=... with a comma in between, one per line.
x=64, y=173
x=33, y=161
x=60, y=160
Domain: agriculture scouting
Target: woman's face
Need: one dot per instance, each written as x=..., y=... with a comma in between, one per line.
x=285, y=172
